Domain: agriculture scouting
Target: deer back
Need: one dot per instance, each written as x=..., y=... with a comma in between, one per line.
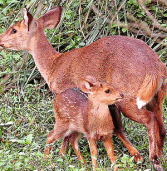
x=121, y=61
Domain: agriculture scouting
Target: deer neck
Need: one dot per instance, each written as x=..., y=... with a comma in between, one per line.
x=44, y=54
x=98, y=119
x=98, y=109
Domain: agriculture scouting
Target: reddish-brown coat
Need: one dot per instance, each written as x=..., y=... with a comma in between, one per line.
x=76, y=113
x=123, y=62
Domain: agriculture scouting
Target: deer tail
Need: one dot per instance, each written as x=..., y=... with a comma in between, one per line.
x=151, y=84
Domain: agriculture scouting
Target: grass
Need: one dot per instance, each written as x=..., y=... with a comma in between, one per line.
x=26, y=112
x=26, y=119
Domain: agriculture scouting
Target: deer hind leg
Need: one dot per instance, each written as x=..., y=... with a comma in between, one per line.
x=156, y=106
x=58, y=131
x=74, y=139
x=107, y=141
x=147, y=118
x=118, y=129
x=161, y=133
x=64, y=146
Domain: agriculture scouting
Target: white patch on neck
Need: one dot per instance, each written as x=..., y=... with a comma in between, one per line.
x=140, y=103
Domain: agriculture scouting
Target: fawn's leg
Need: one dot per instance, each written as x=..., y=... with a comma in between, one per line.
x=74, y=139
x=109, y=148
x=118, y=129
x=65, y=145
x=58, y=131
x=93, y=151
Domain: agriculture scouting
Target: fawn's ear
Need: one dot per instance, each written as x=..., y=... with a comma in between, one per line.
x=51, y=18
x=88, y=85
x=91, y=79
x=85, y=86
x=28, y=18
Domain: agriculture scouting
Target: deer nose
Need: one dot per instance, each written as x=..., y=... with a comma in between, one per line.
x=122, y=95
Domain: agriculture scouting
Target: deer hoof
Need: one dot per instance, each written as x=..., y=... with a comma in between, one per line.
x=138, y=158
x=157, y=165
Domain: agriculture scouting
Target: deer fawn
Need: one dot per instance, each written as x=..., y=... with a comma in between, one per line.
x=77, y=113
x=126, y=63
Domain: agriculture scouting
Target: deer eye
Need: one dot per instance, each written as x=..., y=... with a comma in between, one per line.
x=107, y=91
x=14, y=31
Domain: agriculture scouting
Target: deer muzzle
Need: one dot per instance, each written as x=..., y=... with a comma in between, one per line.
x=119, y=98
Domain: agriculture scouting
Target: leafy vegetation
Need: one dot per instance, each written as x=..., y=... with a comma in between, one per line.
x=26, y=113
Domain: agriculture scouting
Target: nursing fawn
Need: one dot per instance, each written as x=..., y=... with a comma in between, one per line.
x=76, y=113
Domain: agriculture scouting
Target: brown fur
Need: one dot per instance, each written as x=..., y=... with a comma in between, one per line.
x=76, y=113
x=149, y=87
x=124, y=62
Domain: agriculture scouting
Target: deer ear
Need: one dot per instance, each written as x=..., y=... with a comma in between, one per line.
x=51, y=18
x=91, y=79
x=88, y=85
x=85, y=86
x=28, y=18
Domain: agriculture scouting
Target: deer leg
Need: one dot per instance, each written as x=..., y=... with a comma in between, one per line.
x=74, y=138
x=110, y=151
x=59, y=129
x=147, y=118
x=161, y=132
x=93, y=151
x=65, y=145
x=159, y=116
x=156, y=106
x=118, y=129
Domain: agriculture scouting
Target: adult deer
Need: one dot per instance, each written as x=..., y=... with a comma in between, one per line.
x=128, y=64
x=76, y=113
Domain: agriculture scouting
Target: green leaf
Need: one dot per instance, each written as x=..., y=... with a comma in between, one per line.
x=29, y=138
x=164, y=25
x=2, y=2
x=124, y=29
x=2, y=163
x=140, y=15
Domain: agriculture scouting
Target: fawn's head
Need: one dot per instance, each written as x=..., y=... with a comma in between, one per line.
x=100, y=92
x=17, y=37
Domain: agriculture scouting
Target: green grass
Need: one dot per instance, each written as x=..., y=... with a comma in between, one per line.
x=26, y=112
x=31, y=116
